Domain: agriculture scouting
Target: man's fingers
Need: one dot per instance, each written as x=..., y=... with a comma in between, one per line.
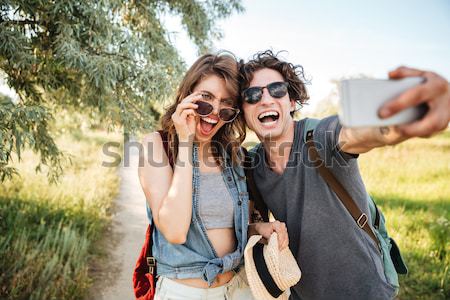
x=279, y=226
x=409, y=98
x=281, y=230
x=434, y=91
x=434, y=86
x=283, y=241
x=432, y=122
x=402, y=71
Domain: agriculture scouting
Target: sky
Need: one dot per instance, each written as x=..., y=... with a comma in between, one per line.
x=333, y=39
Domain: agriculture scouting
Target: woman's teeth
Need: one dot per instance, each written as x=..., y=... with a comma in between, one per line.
x=209, y=120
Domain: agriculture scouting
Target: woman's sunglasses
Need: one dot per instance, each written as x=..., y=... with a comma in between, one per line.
x=227, y=114
x=254, y=94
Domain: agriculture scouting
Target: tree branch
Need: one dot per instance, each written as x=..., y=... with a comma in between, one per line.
x=20, y=22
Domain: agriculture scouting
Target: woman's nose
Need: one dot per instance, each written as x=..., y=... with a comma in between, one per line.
x=215, y=105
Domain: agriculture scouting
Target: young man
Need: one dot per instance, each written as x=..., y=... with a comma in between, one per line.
x=338, y=260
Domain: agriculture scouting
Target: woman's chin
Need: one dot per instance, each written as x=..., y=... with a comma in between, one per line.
x=201, y=136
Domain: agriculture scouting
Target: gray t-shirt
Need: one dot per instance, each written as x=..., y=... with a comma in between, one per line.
x=338, y=259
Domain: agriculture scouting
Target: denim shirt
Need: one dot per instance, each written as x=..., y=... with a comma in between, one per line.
x=196, y=258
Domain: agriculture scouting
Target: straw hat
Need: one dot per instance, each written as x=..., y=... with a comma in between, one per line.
x=275, y=271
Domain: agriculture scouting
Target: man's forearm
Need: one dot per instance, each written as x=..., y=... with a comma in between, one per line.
x=361, y=140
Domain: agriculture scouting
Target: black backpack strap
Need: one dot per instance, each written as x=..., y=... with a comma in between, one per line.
x=360, y=218
x=376, y=223
x=151, y=261
x=253, y=191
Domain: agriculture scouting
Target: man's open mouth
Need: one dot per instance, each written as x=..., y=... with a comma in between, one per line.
x=268, y=117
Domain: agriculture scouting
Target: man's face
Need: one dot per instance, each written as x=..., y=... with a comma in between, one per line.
x=270, y=117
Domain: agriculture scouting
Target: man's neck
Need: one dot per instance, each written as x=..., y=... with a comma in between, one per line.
x=278, y=150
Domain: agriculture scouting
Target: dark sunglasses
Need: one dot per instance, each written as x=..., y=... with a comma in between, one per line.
x=227, y=114
x=254, y=94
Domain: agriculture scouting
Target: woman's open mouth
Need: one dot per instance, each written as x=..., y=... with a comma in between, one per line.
x=207, y=125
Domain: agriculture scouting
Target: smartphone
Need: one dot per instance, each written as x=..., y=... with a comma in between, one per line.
x=360, y=100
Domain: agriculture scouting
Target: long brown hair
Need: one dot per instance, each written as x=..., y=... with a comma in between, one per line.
x=231, y=135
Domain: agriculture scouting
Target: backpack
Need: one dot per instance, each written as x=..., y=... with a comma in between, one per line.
x=144, y=274
x=375, y=227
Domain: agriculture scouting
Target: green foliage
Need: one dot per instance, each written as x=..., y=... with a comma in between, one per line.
x=114, y=58
x=48, y=233
x=21, y=126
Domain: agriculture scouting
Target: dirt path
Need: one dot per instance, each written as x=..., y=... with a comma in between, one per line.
x=127, y=236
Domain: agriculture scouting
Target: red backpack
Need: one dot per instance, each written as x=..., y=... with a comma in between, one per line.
x=144, y=275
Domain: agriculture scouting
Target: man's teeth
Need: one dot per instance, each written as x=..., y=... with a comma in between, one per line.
x=268, y=113
x=210, y=121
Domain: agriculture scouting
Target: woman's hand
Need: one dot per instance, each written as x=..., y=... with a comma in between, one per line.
x=266, y=229
x=184, y=117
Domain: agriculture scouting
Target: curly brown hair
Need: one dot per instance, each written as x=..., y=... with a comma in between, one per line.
x=292, y=74
x=231, y=135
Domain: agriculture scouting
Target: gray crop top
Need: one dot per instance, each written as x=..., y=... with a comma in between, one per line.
x=215, y=202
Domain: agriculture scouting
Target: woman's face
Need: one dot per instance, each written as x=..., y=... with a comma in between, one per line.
x=214, y=91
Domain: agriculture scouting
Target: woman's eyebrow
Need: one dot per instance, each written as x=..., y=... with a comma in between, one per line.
x=207, y=92
x=224, y=100
x=227, y=101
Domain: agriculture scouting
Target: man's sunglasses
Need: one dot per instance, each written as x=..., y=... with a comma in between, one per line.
x=227, y=114
x=254, y=94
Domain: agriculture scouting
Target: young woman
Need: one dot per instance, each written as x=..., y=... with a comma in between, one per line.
x=200, y=207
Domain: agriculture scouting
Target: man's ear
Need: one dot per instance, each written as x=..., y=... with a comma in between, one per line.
x=293, y=105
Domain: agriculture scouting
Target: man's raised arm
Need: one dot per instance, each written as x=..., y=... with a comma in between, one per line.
x=435, y=92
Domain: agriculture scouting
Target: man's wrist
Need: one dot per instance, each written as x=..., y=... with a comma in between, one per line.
x=390, y=135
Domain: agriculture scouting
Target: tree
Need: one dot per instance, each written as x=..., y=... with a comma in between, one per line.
x=109, y=56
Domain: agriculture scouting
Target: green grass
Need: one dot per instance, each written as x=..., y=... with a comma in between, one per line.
x=411, y=184
x=48, y=232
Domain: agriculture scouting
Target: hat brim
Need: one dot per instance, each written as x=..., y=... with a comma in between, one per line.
x=257, y=287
